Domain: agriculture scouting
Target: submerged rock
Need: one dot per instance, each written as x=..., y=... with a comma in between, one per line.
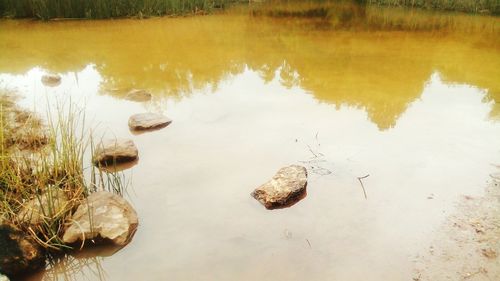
x=51, y=80
x=148, y=121
x=103, y=215
x=18, y=252
x=138, y=95
x=51, y=204
x=115, y=151
x=285, y=188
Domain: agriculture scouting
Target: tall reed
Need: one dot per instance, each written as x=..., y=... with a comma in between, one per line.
x=99, y=9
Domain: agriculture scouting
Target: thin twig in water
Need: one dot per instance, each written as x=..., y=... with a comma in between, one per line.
x=362, y=186
x=310, y=149
x=316, y=154
x=313, y=161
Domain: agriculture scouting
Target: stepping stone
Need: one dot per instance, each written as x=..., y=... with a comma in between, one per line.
x=102, y=215
x=148, y=121
x=285, y=188
x=115, y=151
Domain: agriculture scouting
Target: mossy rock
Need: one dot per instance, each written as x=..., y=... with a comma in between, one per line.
x=19, y=253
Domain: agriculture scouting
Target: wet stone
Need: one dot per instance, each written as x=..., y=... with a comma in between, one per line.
x=18, y=252
x=148, y=121
x=3, y=277
x=49, y=205
x=138, y=95
x=115, y=151
x=103, y=215
x=285, y=188
x=51, y=80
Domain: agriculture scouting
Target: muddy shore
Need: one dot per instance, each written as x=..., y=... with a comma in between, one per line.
x=467, y=245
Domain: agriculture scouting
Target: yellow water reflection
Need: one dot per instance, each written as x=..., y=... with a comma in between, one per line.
x=381, y=71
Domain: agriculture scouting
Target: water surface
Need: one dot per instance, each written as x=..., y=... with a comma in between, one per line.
x=416, y=111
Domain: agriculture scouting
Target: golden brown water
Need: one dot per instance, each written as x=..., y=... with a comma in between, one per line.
x=417, y=111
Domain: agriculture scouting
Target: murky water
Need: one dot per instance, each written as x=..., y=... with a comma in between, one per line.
x=416, y=111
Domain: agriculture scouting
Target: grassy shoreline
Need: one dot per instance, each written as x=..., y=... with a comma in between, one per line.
x=296, y=8
x=103, y=9
x=466, y=6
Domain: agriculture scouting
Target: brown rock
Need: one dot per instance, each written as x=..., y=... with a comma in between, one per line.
x=18, y=252
x=115, y=151
x=285, y=188
x=103, y=215
x=51, y=80
x=50, y=205
x=148, y=121
x=138, y=95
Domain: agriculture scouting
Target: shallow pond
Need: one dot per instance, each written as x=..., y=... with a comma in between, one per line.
x=416, y=111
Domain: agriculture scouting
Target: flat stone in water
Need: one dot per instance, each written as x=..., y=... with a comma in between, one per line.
x=51, y=80
x=115, y=151
x=49, y=205
x=148, y=121
x=284, y=189
x=138, y=95
x=103, y=215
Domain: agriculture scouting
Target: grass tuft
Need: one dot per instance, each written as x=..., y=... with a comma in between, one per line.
x=41, y=184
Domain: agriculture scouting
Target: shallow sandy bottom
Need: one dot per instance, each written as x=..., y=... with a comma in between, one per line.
x=466, y=246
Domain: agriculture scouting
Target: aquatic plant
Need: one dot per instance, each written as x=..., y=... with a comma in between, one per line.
x=43, y=173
